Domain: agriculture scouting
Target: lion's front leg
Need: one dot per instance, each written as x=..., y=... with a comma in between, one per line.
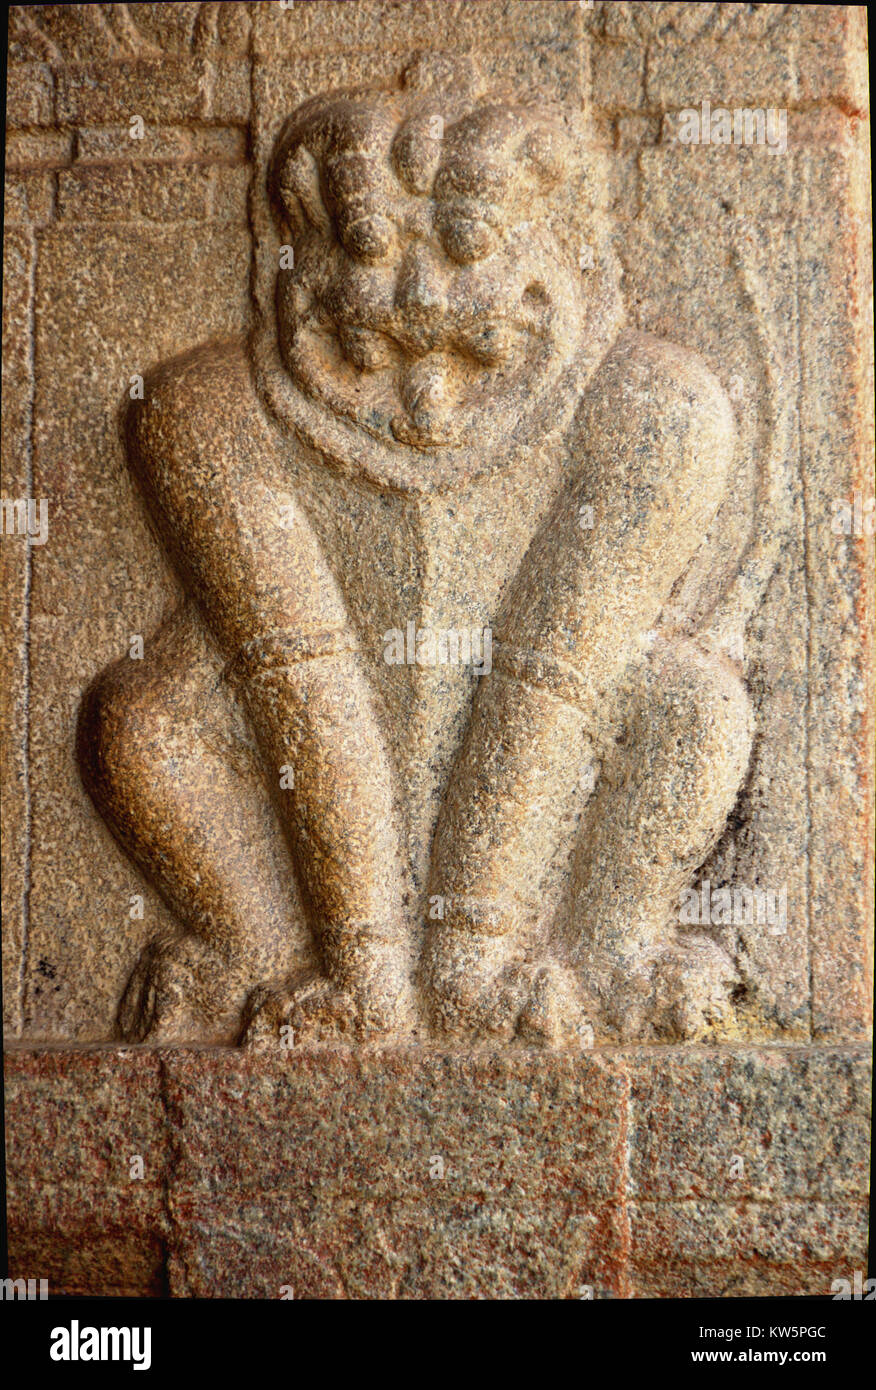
x=667, y=786
x=284, y=656
x=484, y=973
x=652, y=446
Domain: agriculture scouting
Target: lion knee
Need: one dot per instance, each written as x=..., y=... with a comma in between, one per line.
x=116, y=741
x=692, y=730
x=722, y=715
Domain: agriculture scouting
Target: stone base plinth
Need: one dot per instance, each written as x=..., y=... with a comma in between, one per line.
x=401, y=1173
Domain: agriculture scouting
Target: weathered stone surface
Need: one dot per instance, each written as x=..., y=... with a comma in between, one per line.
x=338, y=1125
x=29, y=198
x=681, y=75
x=538, y=363
x=396, y=1175
x=15, y=568
x=743, y=1126
x=120, y=578
x=744, y=1250
x=402, y=1173
x=152, y=193
x=449, y=1248
x=79, y=1208
x=160, y=90
x=29, y=95
x=837, y=436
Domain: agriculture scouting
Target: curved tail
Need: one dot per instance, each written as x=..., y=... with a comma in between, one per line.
x=724, y=626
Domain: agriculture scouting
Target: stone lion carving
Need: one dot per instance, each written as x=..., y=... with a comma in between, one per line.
x=439, y=335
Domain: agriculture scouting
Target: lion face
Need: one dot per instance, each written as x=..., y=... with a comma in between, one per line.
x=421, y=349
x=428, y=301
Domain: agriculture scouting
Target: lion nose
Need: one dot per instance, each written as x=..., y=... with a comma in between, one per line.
x=421, y=298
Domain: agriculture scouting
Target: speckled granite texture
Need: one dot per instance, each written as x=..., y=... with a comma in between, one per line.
x=405, y=1174
x=408, y=977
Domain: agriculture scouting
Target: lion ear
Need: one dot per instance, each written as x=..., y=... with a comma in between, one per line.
x=300, y=189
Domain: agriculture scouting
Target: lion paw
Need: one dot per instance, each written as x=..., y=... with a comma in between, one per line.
x=313, y=1010
x=554, y=1014
x=177, y=984
x=683, y=993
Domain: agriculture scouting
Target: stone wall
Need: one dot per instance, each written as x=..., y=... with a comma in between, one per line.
x=690, y=1173
x=122, y=251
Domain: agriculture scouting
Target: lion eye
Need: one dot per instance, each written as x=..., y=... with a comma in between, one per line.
x=365, y=349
